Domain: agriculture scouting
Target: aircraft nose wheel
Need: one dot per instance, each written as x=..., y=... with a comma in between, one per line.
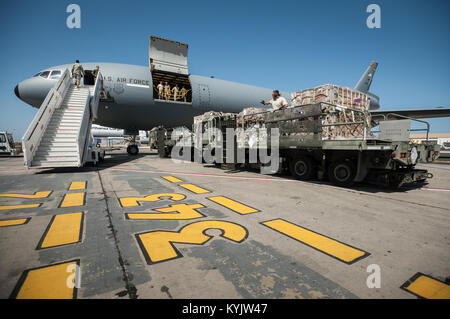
x=132, y=149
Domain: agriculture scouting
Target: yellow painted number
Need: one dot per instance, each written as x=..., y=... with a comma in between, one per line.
x=157, y=246
x=36, y=195
x=134, y=201
x=175, y=212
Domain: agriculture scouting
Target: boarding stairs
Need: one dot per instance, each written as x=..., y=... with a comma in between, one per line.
x=60, y=134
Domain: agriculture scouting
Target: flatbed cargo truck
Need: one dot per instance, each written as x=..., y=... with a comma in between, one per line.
x=309, y=151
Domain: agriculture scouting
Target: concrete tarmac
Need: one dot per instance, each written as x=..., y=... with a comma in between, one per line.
x=146, y=227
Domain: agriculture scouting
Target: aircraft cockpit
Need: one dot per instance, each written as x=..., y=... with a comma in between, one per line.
x=49, y=74
x=88, y=78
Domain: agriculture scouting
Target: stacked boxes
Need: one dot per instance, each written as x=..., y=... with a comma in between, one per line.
x=345, y=101
x=332, y=94
x=335, y=112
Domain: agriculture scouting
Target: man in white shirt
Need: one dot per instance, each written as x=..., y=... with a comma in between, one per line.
x=183, y=93
x=167, y=91
x=277, y=101
x=160, y=88
x=175, y=92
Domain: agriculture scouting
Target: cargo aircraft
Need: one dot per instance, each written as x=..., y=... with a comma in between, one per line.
x=132, y=102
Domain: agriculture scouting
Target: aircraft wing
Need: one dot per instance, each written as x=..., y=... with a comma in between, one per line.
x=413, y=113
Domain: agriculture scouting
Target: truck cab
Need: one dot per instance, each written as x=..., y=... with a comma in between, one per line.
x=7, y=144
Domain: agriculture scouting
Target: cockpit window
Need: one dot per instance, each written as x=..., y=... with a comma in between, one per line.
x=37, y=74
x=44, y=74
x=56, y=74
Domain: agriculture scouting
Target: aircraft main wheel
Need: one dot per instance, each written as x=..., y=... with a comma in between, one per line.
x=303, y=168
x=132, y=149
x=342, y=173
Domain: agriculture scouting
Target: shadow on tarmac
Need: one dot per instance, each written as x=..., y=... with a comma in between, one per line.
x=364, y=187
x=111, y=160
x=116, y=159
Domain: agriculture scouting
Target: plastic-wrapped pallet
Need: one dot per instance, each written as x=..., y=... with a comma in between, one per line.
x=253, y=136
x=202, y=117
x=200, y=121
x=252, y=110
x=346, y=99
x=252, y=115
x=333, y=94
x=341, y=114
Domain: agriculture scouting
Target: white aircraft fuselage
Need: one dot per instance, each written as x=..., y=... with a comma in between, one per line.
x=132, y=104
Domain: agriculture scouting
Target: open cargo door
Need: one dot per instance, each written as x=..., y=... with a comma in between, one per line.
x=168, y=63
x=168, y=56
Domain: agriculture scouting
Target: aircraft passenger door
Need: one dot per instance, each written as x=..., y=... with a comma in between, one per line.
x=204, y=98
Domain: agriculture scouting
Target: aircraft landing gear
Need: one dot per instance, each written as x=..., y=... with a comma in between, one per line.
x=132, y=149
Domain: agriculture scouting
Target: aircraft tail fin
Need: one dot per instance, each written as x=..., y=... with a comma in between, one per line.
x=365, y=81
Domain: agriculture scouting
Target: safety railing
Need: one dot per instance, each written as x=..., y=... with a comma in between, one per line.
x=98, y=87
x=180, y=96
x=365, y=119
x=36, y=129
x=89, y=114
x=427, y=130
x=82, y=131
x=87, y=143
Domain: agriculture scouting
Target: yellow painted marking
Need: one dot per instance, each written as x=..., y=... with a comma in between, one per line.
x=13, y=222
x=320, y=242
x=134, y=201
x=36, y=195
x=429, y=288
x=48, y=282
x=63, y=229
x=179, y=212
x=195, y=189
x=158, y=245
x=233, y=205
x=10, y=207
x=73, y=199
x=172, y=179
x=77, y=186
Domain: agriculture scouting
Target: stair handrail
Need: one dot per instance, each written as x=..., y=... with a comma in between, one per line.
x=95, y=97
x=82, y=135
x=37, y=127
x=89, y=114
x=87, y=143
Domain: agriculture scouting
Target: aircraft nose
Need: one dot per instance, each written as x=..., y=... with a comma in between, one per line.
x=16, y=90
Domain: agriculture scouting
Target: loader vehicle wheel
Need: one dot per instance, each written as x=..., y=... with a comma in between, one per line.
x=167, y=151
x=303, y=168
x=132, y=149
x=197, y=155
x=342, y=173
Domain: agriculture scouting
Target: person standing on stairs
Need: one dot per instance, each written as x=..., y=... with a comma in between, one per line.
x=77, y=73
x=95, y=72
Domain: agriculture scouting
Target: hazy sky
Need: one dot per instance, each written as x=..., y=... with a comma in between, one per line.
x=288, y=45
